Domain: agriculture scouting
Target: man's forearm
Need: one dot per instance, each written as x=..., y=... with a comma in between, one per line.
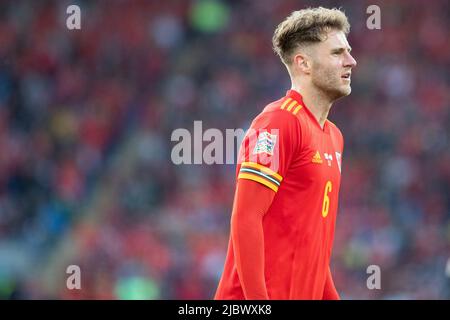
x=248, y=243
x=251, y=202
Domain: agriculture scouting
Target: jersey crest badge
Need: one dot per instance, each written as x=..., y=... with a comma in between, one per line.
x=329, y=158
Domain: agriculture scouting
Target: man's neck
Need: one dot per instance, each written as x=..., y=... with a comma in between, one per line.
x=316, y=101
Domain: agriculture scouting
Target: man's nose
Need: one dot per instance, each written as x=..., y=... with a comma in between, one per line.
x=350, y=61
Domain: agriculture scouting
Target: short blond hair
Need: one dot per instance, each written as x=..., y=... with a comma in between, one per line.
x=304, y=27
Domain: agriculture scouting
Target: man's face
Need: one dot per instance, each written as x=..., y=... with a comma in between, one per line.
x=332, y=64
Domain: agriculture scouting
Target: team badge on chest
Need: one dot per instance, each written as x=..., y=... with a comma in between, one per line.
x=329, y=158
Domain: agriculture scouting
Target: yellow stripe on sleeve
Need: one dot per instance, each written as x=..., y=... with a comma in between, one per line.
x=293, y=103
x=297, y=109
x=262, y=168
x=253, y=177
x=285, y=102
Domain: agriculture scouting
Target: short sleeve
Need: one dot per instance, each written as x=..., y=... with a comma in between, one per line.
x=268, y=148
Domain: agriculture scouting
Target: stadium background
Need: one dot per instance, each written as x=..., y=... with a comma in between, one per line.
x=86, y=118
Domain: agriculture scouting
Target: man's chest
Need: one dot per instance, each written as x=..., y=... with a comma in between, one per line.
x=319, y=161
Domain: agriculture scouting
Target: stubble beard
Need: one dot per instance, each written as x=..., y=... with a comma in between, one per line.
x=330, y=84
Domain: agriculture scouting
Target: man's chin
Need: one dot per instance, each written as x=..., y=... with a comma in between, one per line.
x=337, y=92
x=347, y=91
x=341, y=93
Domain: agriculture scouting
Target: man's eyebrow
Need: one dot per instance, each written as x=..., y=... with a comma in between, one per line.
x=341, y=49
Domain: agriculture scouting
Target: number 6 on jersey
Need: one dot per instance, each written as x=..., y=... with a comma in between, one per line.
x=326, y=199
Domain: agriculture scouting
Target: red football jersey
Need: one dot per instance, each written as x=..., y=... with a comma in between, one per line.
x=286, y=150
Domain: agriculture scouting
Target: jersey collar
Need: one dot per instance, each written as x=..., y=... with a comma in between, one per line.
x=298, y=97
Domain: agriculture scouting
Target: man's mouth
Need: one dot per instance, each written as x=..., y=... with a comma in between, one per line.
x=346, y=75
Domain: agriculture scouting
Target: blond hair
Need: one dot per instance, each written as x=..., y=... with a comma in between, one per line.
x=304, y=27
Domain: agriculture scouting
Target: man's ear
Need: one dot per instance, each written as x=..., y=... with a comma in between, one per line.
x=302, y=62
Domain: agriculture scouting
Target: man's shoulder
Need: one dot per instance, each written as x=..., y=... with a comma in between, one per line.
x=285, y=104
x=283, y=111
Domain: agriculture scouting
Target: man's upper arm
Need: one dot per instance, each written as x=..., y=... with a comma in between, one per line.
x=268, y=148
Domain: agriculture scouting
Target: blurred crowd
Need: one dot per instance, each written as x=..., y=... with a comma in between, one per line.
x=86, y=118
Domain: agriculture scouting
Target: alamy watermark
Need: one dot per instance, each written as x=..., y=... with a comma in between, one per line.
x=74, y=280
x=374, y=280
x=73, y=21
x=374, y=20
x=213, y=146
